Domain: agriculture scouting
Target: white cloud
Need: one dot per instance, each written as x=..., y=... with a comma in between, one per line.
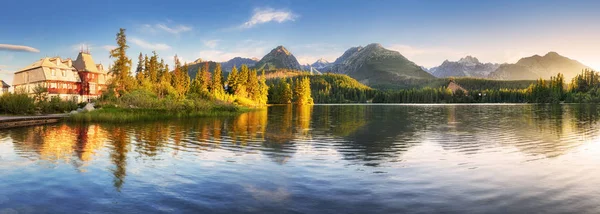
x=150, y=46
x=211, y=43
x=177, y=29
x=20, y=48
x=266, y=15
x=109, y=47
x=174, y=30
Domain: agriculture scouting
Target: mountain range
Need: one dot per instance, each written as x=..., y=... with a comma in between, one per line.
x=465, y=67
x=536, y=67
x=278, y=58
x=374, y=65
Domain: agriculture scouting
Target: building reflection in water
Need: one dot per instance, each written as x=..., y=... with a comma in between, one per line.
x=368, y=135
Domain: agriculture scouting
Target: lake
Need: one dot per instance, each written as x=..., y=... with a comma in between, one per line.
x=313, y=159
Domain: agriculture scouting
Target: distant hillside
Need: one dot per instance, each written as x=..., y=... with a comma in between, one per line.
x=465, y=67
x=328, y=88
x=374, y=64
x=278, y=58
x=466, y=82
x=536, y=67
x=238, y=61
x=198, y=64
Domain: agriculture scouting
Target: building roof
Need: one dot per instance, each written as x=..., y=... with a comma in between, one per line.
x=85, y=62
x=43, y=69
x=4, y=85
x=455, y=87
x=54, y=62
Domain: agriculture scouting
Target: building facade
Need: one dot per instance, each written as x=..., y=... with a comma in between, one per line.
x=81, y=80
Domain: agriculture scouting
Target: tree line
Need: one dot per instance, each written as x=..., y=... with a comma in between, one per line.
x=153, y=75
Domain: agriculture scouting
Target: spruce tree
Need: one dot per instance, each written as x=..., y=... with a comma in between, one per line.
x=232, y=80
x=139, y=71
x=181, y=79
x=217, y=83
x=263, y=89
x=121, y=68
x=252, y=86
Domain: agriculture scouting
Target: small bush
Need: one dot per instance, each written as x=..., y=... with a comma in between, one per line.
x=18, y=103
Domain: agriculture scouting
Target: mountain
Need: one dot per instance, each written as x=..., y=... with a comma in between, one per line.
x=279, y=57
x=536, y=67
x=237, y=61
x=321, y=64
x=195, y=66
x=465, y=67
x=374, y=65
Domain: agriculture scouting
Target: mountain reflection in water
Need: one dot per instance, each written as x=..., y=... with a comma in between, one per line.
x=330, y=148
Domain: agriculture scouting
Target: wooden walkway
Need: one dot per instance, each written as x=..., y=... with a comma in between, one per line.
x=19, y=121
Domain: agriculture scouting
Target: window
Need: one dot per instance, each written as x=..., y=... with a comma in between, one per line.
x=64, y=73
x=53, y=72
x=52, y=85
x=92, y=88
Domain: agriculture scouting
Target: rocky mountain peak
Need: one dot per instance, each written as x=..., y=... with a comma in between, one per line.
x=552, y=54
x=281, y=50
x=469, y=60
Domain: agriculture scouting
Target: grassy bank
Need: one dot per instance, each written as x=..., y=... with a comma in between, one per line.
x=141, y=105
x=129, y=115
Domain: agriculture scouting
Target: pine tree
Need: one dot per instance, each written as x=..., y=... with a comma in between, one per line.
x=217, y=83
x=242, y=82
x=232, y=80
x=181, y=79
x=286, y=92
x=121, y=68
x=153, y=68
x=205, y=77
x=252, y=86
x=146, y=67
x=139, y=71
x=165, y=86
x=263, y=89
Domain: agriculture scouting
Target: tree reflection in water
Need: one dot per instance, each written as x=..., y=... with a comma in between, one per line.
x=367, y=135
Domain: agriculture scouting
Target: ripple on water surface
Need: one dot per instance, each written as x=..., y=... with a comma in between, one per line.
x=325, y=159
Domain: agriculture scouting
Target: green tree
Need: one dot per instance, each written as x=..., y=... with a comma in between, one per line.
x=139, y=71
x=217, y=82
x=232, y=80
x=252, y=86
x=180, y=79
x=263, y=89
x=121, y=69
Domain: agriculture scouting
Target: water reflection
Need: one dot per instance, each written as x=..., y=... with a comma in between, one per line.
x=363, y=134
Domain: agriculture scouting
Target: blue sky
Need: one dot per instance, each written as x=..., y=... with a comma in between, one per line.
x=426, y=32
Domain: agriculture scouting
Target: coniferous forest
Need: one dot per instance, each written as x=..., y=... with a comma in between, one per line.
x=247, y=86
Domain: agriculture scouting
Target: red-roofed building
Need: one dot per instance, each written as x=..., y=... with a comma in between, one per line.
x=81, y=80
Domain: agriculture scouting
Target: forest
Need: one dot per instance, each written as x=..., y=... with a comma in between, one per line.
x=155, y=85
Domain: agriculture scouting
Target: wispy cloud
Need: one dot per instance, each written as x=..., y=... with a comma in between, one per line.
x=265, y=15
x=20, y=48
x=109, y=47
x=150, y=46
x=176, y=29
x=211, y=43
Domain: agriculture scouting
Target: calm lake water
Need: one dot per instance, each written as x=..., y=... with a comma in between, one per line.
x=314, y=159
